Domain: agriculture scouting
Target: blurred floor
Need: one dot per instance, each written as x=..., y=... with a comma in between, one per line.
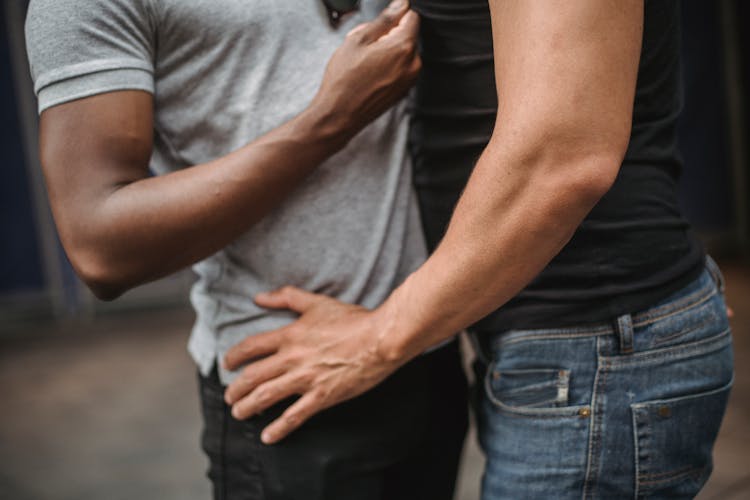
x=108, y=410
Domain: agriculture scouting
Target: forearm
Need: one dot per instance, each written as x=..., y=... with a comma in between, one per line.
x=515, y=215
x=148, y=228
x=565, y=77
x=518, y=210
x=566, y=73
x=121, y=227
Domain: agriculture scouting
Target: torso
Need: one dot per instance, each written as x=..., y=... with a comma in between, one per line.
x=634, y=247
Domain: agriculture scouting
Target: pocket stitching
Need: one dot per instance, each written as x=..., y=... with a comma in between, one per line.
x=530, y=335
x=566, y=411
x=680, y=306
x=561, y=381
x=676, y=473
x=563, y=376
x=682, y=351
x=686, y=397
x=681, y=333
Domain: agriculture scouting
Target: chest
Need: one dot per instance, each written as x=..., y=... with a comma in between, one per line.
x=206, y=25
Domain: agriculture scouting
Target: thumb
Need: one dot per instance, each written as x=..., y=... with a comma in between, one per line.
x=382, y=24
x=288, y=297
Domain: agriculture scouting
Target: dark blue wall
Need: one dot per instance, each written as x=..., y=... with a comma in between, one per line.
x=20, y=259
x=705, y=189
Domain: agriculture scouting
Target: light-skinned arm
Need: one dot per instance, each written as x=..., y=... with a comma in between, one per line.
x=566, y=74
x=121, y=228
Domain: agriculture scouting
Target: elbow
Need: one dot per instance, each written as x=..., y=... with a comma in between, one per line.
x=576, y=175
x=575, y=164
x=103, y=286
x=591, y=177
x=99, y=274
x=105, y=291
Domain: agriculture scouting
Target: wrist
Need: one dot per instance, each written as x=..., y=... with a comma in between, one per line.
x=328, y=124
x=399, y=334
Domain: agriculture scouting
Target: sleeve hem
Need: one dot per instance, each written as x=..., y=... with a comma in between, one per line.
x=87, y=68
x=91, y=84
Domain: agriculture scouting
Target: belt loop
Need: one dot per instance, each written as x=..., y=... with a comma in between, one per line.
x=624, y=332
x=715, y=272
x=481, y=346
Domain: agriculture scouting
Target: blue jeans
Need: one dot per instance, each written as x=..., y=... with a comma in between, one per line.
x=623, y=410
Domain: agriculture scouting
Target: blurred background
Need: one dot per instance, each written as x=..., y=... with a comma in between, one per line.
x=98, y=400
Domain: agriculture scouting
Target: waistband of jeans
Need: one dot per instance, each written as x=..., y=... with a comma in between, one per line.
x=698, y=291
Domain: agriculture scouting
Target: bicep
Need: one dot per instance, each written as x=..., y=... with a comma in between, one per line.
x=566, y=69
x=90, y=147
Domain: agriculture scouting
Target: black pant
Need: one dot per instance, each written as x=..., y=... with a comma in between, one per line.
x=401, y=440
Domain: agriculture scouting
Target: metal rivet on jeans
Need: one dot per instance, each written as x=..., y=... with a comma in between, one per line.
x=584, y=412
x=664, y=411
x=496, y=375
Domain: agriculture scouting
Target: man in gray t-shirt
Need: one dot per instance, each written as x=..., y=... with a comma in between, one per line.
x=274, y=168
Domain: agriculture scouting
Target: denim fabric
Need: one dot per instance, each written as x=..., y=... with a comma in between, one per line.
x=623, y=410
x=399, y=441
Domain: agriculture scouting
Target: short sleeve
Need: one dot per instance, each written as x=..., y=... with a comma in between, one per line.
x=79, y=48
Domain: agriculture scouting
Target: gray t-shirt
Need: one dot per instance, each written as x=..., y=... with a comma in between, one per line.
x=223, y=72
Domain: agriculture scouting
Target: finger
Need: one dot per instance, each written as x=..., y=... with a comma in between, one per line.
x=294, y=416
x=288, y=297
x=407, y=29
x=416, y=65
x=267, y=395
x=356, y=29
x=730, y=312
x=386, y=21
x=253, y=347
x=253, y=375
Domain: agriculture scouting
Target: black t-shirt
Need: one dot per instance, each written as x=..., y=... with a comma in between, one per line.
x=634, y=248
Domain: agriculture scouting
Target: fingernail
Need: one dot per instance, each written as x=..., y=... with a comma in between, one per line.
x=266, y=437
x=236, y=412
x=227, y=399
x=397, y=4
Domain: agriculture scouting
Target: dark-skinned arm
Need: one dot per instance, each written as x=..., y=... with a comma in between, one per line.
x=121, y=228
x=566, y=73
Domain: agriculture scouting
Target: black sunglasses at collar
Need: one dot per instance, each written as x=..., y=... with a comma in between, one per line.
x=337, y=8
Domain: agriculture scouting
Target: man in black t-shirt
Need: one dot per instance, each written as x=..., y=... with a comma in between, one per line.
x=605, y=357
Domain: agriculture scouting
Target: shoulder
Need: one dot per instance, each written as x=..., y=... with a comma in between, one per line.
x=76, y=47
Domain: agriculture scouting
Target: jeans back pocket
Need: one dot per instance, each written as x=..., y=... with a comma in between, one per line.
x=674, y=440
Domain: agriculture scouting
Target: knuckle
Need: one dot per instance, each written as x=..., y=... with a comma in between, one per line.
x=247, y=376
x=291, y=358
x=263, y=396
x=246, y=349
x=290, y=364
x=406, y=47
x=292, y=330
x=387, y=18
x=306, y=378
x=416, y=67
x=318, y=397
x=292, y=419
x=358, y=38
x=239, y=411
